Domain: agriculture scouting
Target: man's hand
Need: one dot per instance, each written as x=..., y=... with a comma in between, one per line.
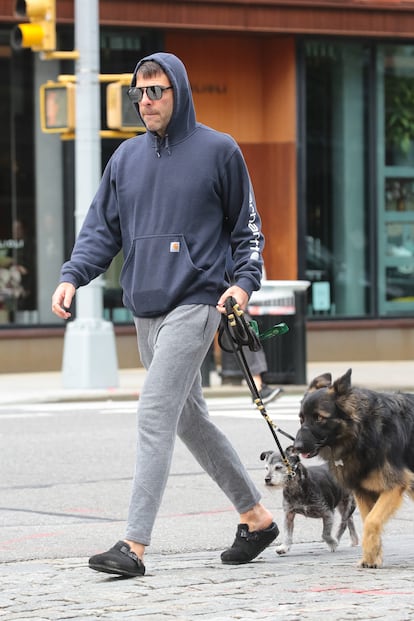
x=235, y=292
x=62, y=299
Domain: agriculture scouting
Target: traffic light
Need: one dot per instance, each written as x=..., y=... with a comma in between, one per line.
x=40, y=33
x=57, y=107
x=120, y=112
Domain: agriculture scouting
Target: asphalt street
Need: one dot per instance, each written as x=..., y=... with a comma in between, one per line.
x=65, y=487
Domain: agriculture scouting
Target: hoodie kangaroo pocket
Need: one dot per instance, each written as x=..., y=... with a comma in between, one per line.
x=156, y=274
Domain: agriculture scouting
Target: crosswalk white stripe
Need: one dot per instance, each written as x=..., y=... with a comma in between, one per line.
x=285, y=408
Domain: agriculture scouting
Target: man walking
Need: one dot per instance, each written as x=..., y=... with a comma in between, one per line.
x=174, y=200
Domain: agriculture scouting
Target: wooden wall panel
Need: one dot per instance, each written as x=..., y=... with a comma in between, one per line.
x=242, y=85
x=225, y=74
x=273, y=172
x=279, y=89
x=258, y=108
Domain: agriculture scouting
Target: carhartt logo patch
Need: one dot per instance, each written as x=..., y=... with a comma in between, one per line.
x=175, y=246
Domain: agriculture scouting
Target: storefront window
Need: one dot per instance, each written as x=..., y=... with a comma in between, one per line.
x=37, y=222
x=396, y=180
x=18, y=273
x=358, y=124
x=335, y=113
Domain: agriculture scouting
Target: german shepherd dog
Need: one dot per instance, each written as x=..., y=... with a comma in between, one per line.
x=313, y=492
x=367, y=438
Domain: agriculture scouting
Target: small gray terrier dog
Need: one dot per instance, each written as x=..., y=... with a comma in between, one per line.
x=312, y=492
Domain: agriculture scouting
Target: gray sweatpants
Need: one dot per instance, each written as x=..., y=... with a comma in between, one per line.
x=172, y=348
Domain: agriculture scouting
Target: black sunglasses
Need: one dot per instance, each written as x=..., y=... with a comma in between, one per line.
x=155, y=92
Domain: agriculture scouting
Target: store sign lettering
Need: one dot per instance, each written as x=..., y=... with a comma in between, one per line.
x=209, y=89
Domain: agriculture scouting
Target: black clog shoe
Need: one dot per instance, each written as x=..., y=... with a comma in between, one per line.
x=119, y=560
x=247, y=545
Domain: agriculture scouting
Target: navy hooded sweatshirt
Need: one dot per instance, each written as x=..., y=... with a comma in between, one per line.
x=173, y=205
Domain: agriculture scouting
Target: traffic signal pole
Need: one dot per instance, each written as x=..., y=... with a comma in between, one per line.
x=89, y=354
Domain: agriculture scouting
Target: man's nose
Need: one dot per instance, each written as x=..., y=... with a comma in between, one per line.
x=145, y=98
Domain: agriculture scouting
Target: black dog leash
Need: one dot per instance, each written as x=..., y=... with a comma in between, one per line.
x=235, y=331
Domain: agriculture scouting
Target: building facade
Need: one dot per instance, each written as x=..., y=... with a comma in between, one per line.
x=320, y=97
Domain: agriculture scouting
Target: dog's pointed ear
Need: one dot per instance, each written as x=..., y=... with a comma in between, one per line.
x=322, y=381
x=343, y=384
x=264, y=455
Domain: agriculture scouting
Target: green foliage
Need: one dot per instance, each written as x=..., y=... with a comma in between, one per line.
x=399, y=112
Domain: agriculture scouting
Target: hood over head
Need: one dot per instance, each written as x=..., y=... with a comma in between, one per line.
x=183, y=118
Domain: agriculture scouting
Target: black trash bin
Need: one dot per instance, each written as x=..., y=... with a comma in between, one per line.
x=231, y=372
x=285, y=354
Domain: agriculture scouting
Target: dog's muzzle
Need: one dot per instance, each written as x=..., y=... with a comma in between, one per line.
x=305, y=443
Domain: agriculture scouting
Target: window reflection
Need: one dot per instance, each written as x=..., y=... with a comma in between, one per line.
x=336, y=184
x=399, y=195
x=396, y=218
x=399, y=105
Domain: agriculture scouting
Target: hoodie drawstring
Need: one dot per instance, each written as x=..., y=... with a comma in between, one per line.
x=167, y=144
x=158, y=144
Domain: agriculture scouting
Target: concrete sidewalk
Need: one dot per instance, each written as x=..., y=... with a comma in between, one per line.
x=45, y=387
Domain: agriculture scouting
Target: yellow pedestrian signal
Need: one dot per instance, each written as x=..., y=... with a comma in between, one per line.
x=40, y=33
x=120, y=112
x=57, y=107
x=57, y=104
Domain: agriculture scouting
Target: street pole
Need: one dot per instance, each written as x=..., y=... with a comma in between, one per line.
x=89, y=354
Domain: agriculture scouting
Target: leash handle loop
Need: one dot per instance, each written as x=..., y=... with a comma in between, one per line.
x=238, y=328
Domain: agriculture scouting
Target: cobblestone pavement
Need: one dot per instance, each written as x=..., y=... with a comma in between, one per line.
x=309, y=584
